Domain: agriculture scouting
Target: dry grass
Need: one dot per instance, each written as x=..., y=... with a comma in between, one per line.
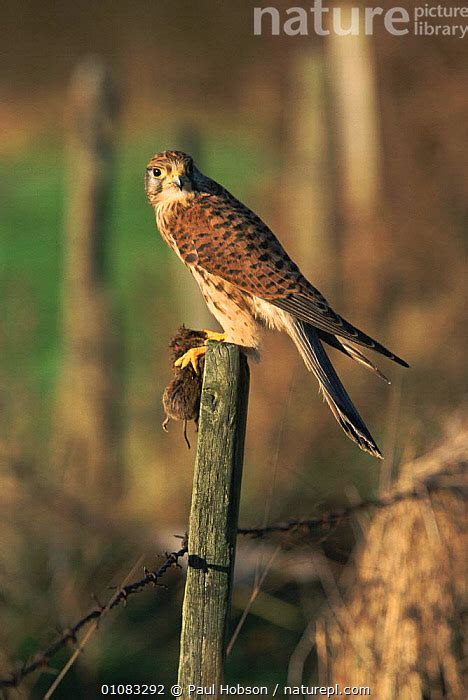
x=403, y=597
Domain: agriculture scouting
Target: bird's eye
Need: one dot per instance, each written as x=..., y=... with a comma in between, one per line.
x=157, y=172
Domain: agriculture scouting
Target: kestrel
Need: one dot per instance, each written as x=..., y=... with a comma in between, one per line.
x=248, y=280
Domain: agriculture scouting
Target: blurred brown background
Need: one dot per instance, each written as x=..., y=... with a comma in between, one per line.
x=354, y=150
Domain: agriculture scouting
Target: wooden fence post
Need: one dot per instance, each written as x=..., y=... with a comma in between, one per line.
x=353, y=126
x=87, y=441
x=213, y=518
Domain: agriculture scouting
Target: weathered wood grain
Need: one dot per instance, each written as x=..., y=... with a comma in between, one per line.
x=214, y=517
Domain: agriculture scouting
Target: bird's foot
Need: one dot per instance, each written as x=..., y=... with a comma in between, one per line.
x=191, y=357
x=214, y=335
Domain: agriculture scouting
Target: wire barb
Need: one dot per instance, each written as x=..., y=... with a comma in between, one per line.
x=43, y=658
x=321, y=525
x=325, y=522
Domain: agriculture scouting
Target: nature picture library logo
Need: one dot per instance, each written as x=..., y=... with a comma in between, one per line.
x=422, y=20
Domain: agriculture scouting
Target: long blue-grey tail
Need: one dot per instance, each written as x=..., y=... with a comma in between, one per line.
x=317, y=361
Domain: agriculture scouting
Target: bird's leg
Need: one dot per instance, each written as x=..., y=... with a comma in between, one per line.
x=214, y=335
x=192, y=356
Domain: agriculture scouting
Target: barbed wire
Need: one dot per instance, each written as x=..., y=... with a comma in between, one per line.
x=324, y=521
x=317, y=525
x=42, y=659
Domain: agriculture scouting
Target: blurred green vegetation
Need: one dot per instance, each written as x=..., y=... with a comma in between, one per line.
x=34, y=189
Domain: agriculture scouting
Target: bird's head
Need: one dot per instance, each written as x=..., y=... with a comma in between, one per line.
x=170, y=176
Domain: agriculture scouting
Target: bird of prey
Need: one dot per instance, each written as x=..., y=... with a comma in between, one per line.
x=248, y=280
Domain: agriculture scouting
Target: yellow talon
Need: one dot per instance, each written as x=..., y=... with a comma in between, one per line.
x=191, y=357
x=214, y=335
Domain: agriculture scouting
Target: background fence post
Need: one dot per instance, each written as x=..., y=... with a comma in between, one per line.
x=88, y=428
x=214, y=517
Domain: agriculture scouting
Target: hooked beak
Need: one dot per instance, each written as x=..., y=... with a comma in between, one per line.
x=177, y=180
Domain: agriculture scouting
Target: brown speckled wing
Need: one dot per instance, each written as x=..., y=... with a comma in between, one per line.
x=221, y=235
x=225, y=238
